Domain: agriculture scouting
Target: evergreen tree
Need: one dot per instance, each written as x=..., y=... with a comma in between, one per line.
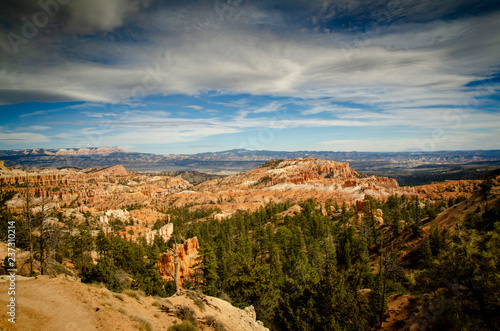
x=103, y=245
x=103, y=272
x=209, y=268
x=338, y=306
x=426, y=253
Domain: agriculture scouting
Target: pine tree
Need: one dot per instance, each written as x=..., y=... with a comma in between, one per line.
x=426, y=253
x=103, y=245
x=103, y=272
x=336, y=304
x=209, y=268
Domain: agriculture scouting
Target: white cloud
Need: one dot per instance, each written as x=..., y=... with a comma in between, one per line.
x=93, y=15
x=412, y=75
x=242, y=62
x=335, y=109
x=39, y=127
x=195, y=107
x=431, y=142
x=378, y=73
x=22, y=137
x=269, y=108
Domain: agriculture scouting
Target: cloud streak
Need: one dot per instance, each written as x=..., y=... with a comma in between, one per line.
x=335, y=64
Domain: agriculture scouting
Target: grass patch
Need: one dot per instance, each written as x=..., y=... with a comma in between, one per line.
x=162, y=302
x=95, y=285
x=123, y=311
x=118, y=296
x=185, y=326
x=135, y=294
x=158, y=303
x=143, y=322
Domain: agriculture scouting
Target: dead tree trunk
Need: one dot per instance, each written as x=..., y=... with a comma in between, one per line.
x=28, y=219
x=43, y=238
x=175, y=275
x=383, y=274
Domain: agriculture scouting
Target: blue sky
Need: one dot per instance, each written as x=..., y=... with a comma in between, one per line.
x=196, y=76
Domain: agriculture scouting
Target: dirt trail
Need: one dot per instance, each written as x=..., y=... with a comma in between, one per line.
x=54, y=304
x=66, y=304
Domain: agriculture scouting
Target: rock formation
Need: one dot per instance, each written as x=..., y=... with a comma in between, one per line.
x=187, y=257
x=292, y=180
x=89, y=151
x=116, y=170
x=164, y=232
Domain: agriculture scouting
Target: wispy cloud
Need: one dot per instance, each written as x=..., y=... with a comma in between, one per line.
x=195, y=107
x=269, y=108
x=240, y=67
x=22, y=137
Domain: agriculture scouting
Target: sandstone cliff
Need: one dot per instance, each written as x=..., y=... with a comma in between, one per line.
x=116, y=170
x=290, y=180
x=187, y=257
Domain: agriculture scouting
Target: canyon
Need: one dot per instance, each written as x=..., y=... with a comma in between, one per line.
x=146, y=198
x=145, y=208
x=409, y=168
x=114, y=195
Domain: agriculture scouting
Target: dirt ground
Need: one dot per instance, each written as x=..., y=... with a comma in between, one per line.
x=64, y=303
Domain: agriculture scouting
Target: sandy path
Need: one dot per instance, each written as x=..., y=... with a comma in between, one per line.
x=62, y=304
x=53, y=304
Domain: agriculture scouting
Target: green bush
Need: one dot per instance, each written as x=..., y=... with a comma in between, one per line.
x=211, y=321
x=102, y=272
x=186, y=313
x=185, y=326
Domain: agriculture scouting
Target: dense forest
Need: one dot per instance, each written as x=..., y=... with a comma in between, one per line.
x=325, y=267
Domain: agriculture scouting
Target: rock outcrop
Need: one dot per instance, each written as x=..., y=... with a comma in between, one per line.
x=292, y=180
x=165, y=232
x=116, y=170
x=89, y=151
x=187, y=257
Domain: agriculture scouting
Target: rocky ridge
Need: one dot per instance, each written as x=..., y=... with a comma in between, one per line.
x=295, y=180
x=95, y=191
x=415, y=168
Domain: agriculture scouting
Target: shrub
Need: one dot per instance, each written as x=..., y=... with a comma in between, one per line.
x=185, y=326
x=214, y=323
x=158, y=303
x=143, y=322
x=219, y=326
x=186, y=313
x=210, y=320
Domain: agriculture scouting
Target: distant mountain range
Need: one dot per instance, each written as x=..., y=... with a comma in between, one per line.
x=406, y=167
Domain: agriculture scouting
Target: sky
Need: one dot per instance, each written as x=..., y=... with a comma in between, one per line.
x=184, y=77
